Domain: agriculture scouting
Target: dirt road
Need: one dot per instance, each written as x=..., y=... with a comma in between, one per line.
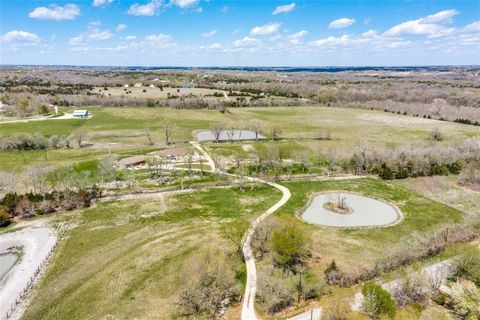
x=36, y=241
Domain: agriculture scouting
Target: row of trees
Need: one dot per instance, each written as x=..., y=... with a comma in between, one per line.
x=415, y=160
x=37, y=141
x=32, y=204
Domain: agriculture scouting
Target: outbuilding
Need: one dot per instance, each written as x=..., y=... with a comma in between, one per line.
x=131, y=162
x=83, y=114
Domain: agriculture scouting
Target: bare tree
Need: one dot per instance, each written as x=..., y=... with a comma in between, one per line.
x=275, y=131
x=79, y=135
x=436, y=135
x=216, y=129
x=256, y=126
x=231, y=129
x=169, y=129
x=36, y=176
x=108, y=168
x=148, y=135
x=332, y=158
x=7, y=182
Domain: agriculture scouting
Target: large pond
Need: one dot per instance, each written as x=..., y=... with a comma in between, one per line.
x=7, y=261
x=365, y=211
x=238, y=135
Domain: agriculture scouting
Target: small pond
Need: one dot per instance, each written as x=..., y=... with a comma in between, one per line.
x=7, y=261
x=238, y=135
x=365, y=211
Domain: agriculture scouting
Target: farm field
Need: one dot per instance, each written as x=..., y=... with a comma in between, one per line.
x=156, y=92
x=302, y=124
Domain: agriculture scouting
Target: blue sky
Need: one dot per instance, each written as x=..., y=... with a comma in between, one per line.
x=239, y=33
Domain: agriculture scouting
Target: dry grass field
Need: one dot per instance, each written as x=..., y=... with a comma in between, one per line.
x=156, y=92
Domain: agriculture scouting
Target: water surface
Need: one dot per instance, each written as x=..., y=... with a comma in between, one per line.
x=238, y=135
x=7, y=261
x=366, y=212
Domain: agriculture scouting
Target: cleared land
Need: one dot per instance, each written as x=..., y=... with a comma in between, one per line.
x=142, y=249
x=155, y=93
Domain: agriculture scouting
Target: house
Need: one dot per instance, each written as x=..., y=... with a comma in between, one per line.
x=131, y=162
x=83, y=114
x=126, y=86
x=138, y=85
x=151, y=86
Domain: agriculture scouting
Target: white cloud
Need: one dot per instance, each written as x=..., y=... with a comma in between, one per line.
x=333, y=41
x=148, y=9
x=430, y=25
x=370, y=34
x=54, y=12
x=209, y=34
x=275, y=37
x=472, y=27
x=159, y=38
x=284, y=9
x=341, y=23
x=94, y=24
x=16, y=36
x=121, y=27
x=101, y=3
x=130, y=38
x=245, y=42
x=76, y=41
x=265, y=29
x=184, y=4
x=440, y=17
x=215, y=45
x=225, y=9
x=297, y=37
x=100, y=35
x=93, y=34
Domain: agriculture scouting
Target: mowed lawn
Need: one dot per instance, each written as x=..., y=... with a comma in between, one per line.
x=348, y=127
x=124, y=259
x=357, y=248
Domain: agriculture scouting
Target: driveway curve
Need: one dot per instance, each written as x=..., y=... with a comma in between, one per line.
x=248, y=306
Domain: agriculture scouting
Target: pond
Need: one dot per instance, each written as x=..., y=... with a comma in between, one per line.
x=364, y=211
x=238, y=135
x=7, y=261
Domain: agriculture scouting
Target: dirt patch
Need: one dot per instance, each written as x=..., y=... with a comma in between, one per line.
x=395, y=120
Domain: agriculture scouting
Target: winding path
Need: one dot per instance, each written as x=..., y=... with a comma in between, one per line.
x=248, y=307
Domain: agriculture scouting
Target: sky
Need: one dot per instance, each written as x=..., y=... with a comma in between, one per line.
x=239, y=33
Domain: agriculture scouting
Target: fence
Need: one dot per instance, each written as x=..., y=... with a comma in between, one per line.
x=60, y=232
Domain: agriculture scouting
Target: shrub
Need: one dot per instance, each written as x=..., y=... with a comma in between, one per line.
x=412, y=287
x=289, y=247
x=437, y=135
x=332, y=274
x=336, y=309
x=210, y=288
x=468, y=265
x=377, y=301
x=466, y=300
x=273, y=293
x=4, y=218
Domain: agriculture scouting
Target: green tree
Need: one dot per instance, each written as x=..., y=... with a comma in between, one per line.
x=289, y=246
x=4, y=218
x=377, y=301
